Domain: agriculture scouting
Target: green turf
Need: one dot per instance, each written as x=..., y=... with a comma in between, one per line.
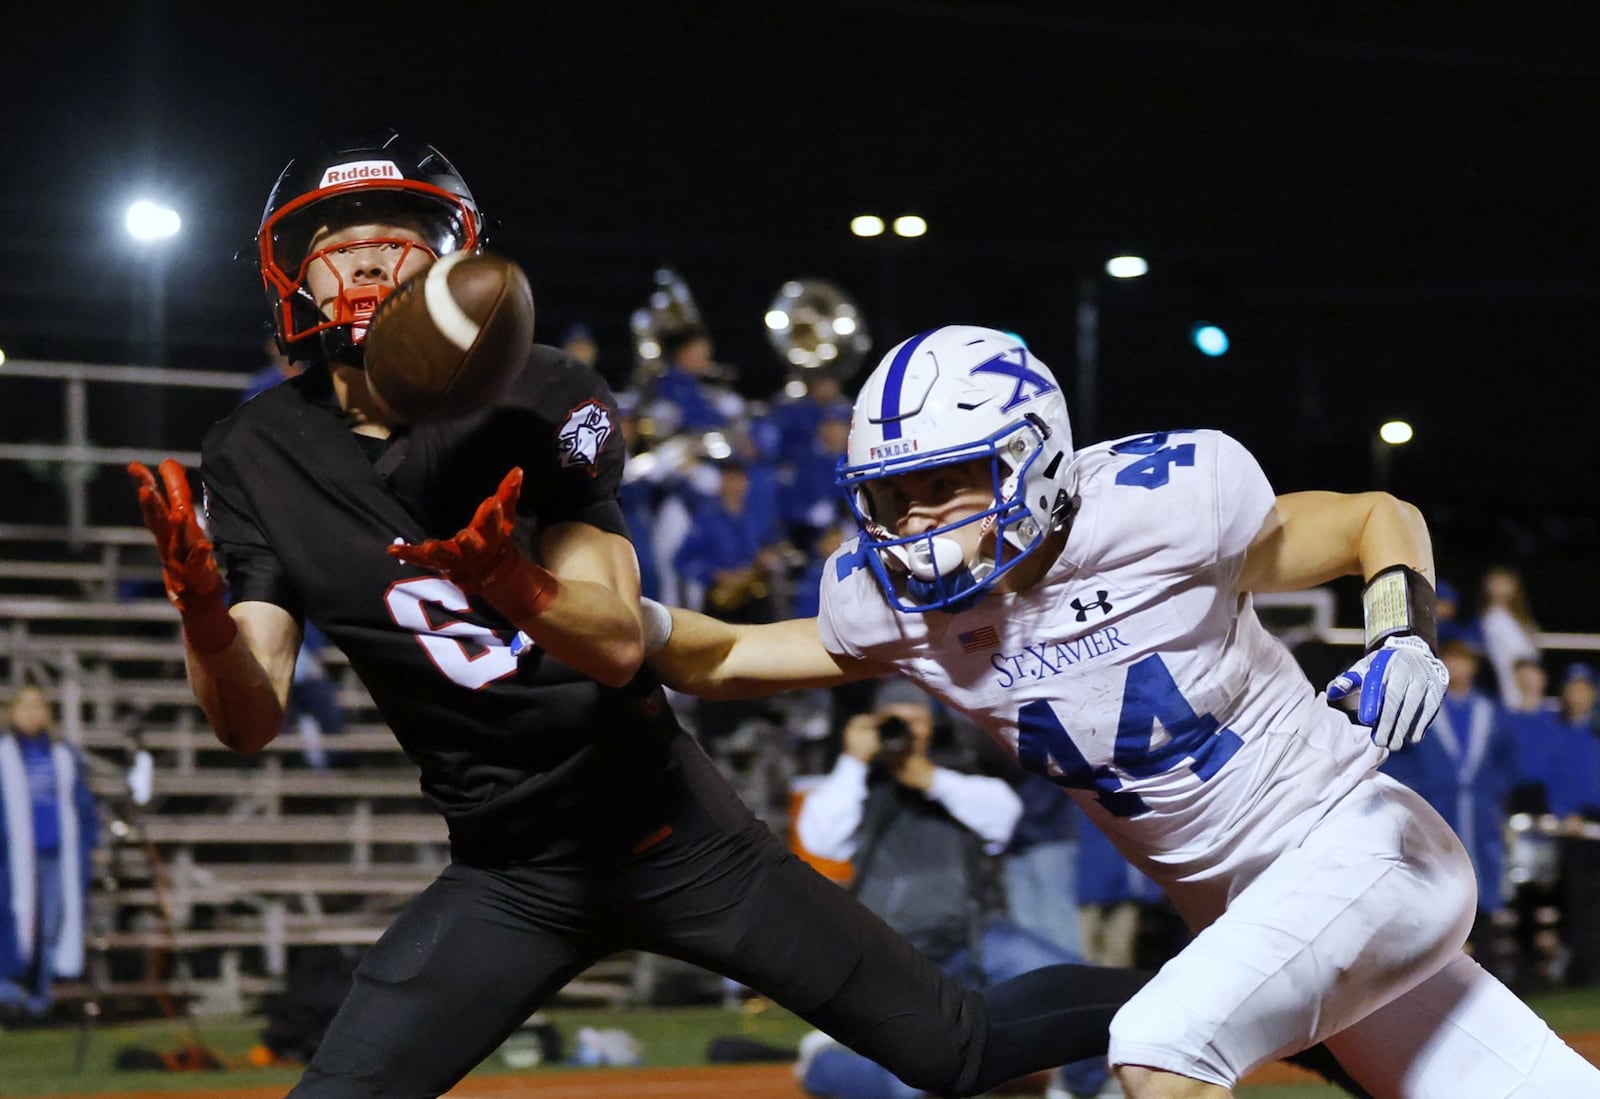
x=41, y=1062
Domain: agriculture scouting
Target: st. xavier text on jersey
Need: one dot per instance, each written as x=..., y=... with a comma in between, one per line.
x=1048, y=658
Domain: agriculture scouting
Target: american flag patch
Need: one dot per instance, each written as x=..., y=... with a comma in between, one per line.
x=983, y=637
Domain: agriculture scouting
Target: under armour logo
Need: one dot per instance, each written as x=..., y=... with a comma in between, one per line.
x=1101, y=603
x=1013, y=363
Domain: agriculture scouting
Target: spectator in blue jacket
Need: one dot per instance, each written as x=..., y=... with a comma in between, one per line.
x=48, y=828
x=812, y=502
x=1535, y=721
x=725, y=563
x=1447, y=612
x=797, y=418
x=1577, y=801
x=684, y=398
x=640, y=496
x=1465, y=767
x=1578, y=794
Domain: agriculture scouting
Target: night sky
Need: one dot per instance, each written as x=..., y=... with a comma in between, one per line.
x=1389, y=211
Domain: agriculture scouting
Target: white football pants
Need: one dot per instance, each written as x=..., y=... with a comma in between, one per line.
x=1353, y=938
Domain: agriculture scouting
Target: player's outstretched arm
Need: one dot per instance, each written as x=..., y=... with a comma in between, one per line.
x=709, y=658
x=240, y=659
x=593, y=623
x=1311, y=538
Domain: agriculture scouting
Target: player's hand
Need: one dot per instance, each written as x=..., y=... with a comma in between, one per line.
x=1395, y=690
x=481, y=558
x=187, y=565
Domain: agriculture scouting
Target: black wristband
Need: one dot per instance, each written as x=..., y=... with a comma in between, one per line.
x=1399, y=600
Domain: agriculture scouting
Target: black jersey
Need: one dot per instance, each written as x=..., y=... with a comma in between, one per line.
x=513, y=745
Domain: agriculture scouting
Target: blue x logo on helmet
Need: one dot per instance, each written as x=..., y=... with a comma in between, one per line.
x=950, y=396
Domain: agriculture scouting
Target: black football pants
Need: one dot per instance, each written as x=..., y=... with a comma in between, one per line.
x=485, y=945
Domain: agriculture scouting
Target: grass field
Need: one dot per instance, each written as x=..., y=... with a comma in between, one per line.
x=42, y=1062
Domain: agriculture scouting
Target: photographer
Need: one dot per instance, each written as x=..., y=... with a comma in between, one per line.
x=922, y=837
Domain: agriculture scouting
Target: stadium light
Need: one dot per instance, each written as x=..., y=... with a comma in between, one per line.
x=146, y=220
x=1127, y=267
x=910, y=225
x=867, y=225
x=1396, y=433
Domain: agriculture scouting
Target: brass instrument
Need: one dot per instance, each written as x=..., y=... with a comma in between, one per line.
x=813, y=325
x=670, y=308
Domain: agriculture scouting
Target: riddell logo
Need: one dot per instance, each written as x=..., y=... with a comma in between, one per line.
x=359, y=169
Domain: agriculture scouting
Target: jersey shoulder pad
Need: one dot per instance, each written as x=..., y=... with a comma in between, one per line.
x=1170, y=500
x=577, y=425
x=853, y=618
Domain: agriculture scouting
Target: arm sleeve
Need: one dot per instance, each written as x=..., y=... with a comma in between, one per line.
x=252, y=569
x=988, y=807
x=830, y=817
x=1244, y=497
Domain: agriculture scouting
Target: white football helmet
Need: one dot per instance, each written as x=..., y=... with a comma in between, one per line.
x=950, y=395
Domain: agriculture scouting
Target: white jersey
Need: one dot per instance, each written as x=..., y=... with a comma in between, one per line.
x=1136, y=674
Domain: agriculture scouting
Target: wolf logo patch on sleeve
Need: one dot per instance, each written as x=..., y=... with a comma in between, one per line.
x=587, y=428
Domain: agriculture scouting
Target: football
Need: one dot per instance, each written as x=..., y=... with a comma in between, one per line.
x=450, y=339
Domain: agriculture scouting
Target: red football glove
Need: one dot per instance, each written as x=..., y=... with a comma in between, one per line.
x=482, y=560
x=187, y=566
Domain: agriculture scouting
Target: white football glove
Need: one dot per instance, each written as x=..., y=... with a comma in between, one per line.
x=1395, y=690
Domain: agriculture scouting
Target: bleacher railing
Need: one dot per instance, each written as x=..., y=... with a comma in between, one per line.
x=78, y=453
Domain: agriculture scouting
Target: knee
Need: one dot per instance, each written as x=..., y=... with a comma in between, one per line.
x=928, y=1063
x=1158, y=1045
x=932, y=1051
x=1139, y=1082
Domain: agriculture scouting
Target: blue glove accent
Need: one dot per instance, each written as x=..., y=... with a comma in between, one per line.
x=1372, y=692
x=1395, y=690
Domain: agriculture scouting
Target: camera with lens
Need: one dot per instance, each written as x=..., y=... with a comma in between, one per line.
x=894, y=735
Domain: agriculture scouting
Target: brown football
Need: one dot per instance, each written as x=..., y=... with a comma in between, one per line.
x=451, y=339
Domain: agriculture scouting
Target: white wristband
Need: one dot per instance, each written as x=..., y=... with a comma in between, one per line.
x=657, y=621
